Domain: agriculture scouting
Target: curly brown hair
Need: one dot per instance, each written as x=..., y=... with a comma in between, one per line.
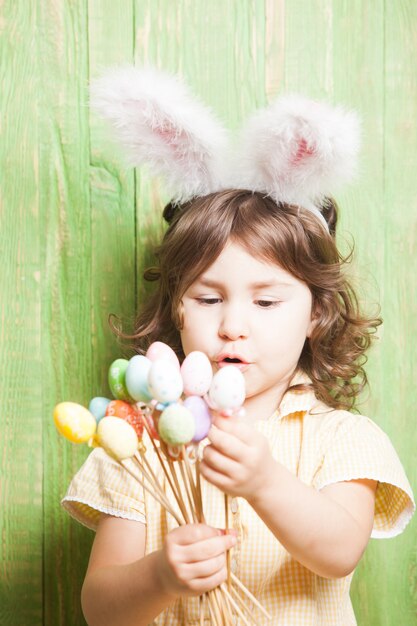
x=292, y=237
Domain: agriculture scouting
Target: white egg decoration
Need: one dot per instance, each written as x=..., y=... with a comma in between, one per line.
x=227, y=389
x=197, y=374
x=165, y=381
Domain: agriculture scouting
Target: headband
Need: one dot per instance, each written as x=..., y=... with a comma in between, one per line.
x=296, y=150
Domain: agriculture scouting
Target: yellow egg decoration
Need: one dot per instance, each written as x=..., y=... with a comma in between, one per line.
x=74, y=422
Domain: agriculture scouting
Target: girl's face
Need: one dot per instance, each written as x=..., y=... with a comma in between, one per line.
x=253, y=312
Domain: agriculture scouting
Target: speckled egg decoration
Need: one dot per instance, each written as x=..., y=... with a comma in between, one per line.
x=117, y=380
x=117, y=437
x=74, y=422
x=164, y=381
x=227, y=390
x=159, y=350
x=201, y=414
x=137, y=372
x=131, y=414
x=176, y=425
x=197, y=374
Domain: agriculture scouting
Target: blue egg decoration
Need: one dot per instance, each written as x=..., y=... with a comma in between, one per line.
x=137, y=373
x=98, y=407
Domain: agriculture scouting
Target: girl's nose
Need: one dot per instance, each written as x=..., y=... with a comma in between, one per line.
x=233, y=324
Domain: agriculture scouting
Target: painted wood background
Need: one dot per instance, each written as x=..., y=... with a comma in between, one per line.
x=75, y=226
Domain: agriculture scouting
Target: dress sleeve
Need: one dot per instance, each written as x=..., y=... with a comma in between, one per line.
x=103, y=486
x=360, y=449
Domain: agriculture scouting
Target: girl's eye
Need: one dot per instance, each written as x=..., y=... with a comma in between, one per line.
x=208, y=301
x=267, y=304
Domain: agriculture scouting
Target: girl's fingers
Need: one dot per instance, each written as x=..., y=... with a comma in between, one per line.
x=216, y=460
x=207, y=549
x=188, y=534
x=226, y=443
x=203, y=569
x=200, y=585
x=217, y=479
x=238, y=428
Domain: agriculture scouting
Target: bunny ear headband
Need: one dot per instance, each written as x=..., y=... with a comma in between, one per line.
x=296, y=150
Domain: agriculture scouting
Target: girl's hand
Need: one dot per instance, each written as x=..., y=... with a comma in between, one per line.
x=238, y=460
x=193, y=559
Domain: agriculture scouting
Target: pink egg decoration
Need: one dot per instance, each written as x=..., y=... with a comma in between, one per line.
x=159, y=350
x=196, y=374
x=201, y=414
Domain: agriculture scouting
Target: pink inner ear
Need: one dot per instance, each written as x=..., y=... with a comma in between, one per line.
x=170, y=135
x=303, y=151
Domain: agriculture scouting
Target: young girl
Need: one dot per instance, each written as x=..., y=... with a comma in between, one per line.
x=250, y=276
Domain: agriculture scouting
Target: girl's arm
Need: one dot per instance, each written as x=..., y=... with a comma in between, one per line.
x=326, y=531
x=124, y=587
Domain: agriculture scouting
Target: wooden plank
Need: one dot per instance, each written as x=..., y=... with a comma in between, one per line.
x=358, y=43
x=66, y=287
x=398, y=588
x=112, y=186
x=20, y=324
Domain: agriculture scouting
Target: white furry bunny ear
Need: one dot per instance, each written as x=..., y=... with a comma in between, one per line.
x=162, y=125
x=298, y=150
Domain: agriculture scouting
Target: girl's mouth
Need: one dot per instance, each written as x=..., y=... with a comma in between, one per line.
x=236, y=361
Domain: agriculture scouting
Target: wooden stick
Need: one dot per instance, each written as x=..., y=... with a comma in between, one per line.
x=250, y=595
x=225, y=607
x=162, y=462
x=226, y=521
x=234, y=604
x=150, y=477
x=188, y=492
x=151, y=488
x=198, y=482
x=243, y=604
x=198, y=506
x=211, y=612
x=164, y=503
x=202, y=610
x=216, y=608
x=149, y=473
x=175, y=478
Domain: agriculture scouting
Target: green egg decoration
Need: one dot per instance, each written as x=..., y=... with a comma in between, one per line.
x=176, y=425
x=117, y=380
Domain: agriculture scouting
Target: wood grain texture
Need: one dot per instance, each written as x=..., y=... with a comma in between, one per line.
x=78, y=227
x=21, y=426
x=66, y=285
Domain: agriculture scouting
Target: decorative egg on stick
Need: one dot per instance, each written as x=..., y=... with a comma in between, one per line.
x=117, y=437
x=158, y=350
x=227, y=395
x=117, y=380
x=196, y=374
x=174, y=404
x=227, y=391
x=136, y=378
x=74, y=422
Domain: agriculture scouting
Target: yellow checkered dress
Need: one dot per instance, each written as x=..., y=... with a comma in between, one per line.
x=319, y=445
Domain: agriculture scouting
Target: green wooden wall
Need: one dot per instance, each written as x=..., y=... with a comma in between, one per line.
x=75, y=226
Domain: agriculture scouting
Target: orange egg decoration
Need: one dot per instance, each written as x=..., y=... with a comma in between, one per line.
x=127, y=412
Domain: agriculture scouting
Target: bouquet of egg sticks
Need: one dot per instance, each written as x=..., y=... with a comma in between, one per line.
x=174, y=405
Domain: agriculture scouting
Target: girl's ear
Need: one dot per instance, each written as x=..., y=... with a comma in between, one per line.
x=162, y=125
x=315, y=316
x=298, y=150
